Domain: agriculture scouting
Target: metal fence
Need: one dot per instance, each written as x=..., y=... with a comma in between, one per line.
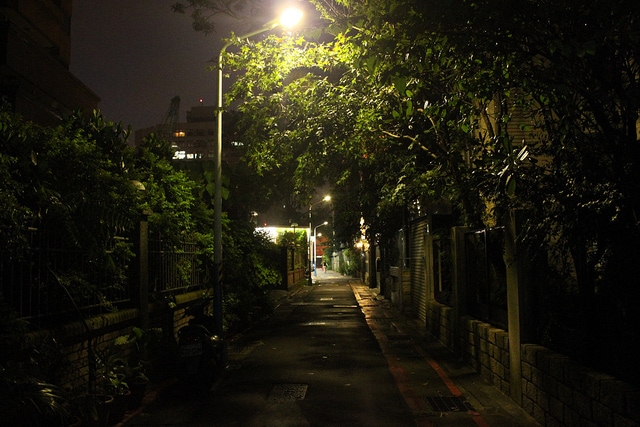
x=55, y=278
x=486, y=275
x=52, y=281
x=176, y=268
x=443, y=269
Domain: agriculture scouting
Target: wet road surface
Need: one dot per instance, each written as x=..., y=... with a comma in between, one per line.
x=335, y=354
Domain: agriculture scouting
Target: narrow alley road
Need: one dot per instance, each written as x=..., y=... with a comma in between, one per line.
x=332, y=355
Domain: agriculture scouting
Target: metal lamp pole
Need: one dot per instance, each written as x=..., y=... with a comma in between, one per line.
x=325, y=199
x=289, y=18
x=315, y=244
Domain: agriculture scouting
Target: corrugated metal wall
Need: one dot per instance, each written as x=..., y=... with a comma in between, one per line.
x=418, y=230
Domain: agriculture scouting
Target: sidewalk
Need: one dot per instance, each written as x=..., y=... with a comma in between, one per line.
x=462, y=391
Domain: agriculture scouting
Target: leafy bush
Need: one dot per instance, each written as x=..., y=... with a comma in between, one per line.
x=251, y=271
x=81, y=181
x=353, y=262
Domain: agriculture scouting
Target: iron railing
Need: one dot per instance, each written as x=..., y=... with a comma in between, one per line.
x=52, y=281
x=176, y=268
x=486, y=275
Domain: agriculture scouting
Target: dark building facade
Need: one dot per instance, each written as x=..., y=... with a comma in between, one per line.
x=35, y=51
x=196, y=139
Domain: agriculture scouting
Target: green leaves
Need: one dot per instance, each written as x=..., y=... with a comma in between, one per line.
x=456, y=87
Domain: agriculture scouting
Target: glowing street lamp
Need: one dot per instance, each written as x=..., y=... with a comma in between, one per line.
x=289, y=18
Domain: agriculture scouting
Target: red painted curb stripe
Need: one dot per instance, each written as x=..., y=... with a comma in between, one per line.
x=415, y=402
x=477, y=418
x=443, y=376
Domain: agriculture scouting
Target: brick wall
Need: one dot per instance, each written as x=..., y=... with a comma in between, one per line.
x=73, y=337
x=106, y=328
x=556, y=390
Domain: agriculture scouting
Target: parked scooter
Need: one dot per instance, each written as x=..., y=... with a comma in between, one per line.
x=202, y=353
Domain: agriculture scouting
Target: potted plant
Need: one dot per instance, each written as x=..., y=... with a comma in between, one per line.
x=138, y=382
x=93, y=407
x=135, y=363
x=119, y=389
x=111, y=367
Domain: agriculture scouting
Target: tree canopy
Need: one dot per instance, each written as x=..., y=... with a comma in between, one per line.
x=409, y=102
x=482, y=106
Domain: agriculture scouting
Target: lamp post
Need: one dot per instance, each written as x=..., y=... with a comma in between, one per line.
x=289, y=18
x=324, y=199
x=315, y=243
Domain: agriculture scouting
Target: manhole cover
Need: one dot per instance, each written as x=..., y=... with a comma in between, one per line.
x=288, y=392
x=398, y=337
x=449, y=404
x=243, y=350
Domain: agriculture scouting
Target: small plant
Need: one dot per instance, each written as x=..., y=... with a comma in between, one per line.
x=126, y=360
x=29, y=401
x=27, y=396
x=109, y=366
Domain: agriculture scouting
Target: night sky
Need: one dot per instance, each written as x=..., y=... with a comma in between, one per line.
x=136, y=55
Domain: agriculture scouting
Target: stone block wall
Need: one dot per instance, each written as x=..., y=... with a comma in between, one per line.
x=440, y=323
x=556, y=390
x=560, y=392
x=486, y=348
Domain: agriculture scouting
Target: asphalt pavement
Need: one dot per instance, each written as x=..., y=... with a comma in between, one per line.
x=336, y=354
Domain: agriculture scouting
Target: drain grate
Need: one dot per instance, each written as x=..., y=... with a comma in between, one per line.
x=449, y=404
x=288, y=392
x=398, y=337
x=243, y=350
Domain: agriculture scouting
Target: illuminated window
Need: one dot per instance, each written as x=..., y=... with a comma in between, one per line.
x=179, y=134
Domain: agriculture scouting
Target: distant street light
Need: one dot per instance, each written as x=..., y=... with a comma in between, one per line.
x=325, y=199
x=315, y=245
x=289, y=18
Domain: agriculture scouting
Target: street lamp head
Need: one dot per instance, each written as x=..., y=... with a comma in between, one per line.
x=327, y=198
x=290, y=17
